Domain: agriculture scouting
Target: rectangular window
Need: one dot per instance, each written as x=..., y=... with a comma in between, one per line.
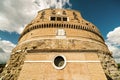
x=52, y=18
x=64, y=18
x=58, y=18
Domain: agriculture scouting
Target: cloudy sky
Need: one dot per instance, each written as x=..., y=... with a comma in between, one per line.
x=15, y=14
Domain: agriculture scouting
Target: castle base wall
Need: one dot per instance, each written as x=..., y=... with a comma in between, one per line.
x=79, y=66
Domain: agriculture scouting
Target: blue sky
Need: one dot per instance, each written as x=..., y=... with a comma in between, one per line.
x=105, y=14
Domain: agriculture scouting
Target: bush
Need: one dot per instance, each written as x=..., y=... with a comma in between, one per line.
x=119, y=66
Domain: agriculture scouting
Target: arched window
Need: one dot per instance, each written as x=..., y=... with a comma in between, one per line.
x=64, y=26
x=55, y=26
x=47, y=25
x=67, y=25
x=60, y=26
x=52, y=25
x=44, y=25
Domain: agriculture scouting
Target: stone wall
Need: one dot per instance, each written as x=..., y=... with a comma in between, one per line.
x=63, y=44
x=109, y=65
x=1, y=67
x=13, y=67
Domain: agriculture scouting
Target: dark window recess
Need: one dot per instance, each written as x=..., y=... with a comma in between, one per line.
x=34, y=47
x=59, y=61
x=64, y=18
x=25, y=48
x=58, y=18
x=52, y=18
x=86, y=23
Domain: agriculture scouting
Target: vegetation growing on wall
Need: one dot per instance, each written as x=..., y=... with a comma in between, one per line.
x=119, y=66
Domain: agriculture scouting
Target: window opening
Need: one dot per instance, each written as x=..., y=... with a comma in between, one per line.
x=59, y=62
x=58, y=18
x=52, y=18
x=64, y=18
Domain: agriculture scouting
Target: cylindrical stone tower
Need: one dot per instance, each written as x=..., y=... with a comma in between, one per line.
x=60, y=45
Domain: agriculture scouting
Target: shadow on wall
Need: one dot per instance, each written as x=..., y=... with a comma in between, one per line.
x=108, y=77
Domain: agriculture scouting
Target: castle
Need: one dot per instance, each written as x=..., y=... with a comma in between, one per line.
x=60, y=45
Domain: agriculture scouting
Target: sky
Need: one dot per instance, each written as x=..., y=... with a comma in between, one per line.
x=16, y=14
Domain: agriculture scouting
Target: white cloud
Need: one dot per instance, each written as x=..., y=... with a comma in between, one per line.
x=7, y=46
x=114, y=36
x=52, y=3
x=3, y=56
x=113, y=42
x=15, y=14
x=5, y=50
